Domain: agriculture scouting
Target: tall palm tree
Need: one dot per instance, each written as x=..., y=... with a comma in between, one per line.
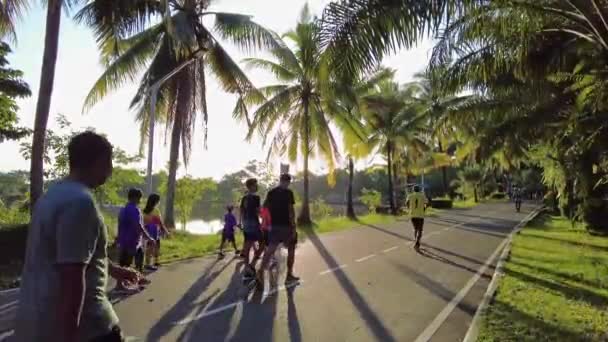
x=347, y=98
x=158, y=48
x=393, y=120
x=295, y=115
x=435, y=105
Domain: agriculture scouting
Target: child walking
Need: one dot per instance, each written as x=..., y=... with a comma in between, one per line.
x=228, y=232
x=156, y=228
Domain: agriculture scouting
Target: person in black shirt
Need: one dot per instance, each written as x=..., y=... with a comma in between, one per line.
x=280, y=202
x=250, y=213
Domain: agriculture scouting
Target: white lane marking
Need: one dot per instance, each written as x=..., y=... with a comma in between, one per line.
x=443, y=315
x=8, y=305
x=280, y=288
x=366, y=258
x=209, y=313
x=332, y=269
x=389, y=249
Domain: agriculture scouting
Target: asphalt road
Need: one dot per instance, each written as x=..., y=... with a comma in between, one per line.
x=365, y=284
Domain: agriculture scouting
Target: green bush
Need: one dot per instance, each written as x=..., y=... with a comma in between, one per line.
x=12, y=216
x=371, y=199
x=498, y=195
x=319, y=209
x=442, y=204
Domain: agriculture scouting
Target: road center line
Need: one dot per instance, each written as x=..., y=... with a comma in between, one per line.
x=366, y=258
x=389, y=249
x=332, y=269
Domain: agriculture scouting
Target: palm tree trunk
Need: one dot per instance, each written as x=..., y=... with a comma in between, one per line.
x=444, y=170
x=476, y=198
x=391, y=195
x=172, y=177
x=45, y=92
x=350, y=210
x=304, y=218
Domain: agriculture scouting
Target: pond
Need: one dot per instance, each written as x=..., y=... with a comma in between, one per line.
x=200, y=226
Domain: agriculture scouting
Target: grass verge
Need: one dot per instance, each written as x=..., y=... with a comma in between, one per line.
x=555, y=286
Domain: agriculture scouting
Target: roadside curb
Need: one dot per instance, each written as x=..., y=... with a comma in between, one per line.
x=473, y=331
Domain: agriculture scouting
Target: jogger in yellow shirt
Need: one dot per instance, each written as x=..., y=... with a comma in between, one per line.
x=417, y=203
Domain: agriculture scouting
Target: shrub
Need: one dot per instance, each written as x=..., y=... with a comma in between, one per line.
x=498, y=195
x=319, y=209
x=371, y=199
x=442, y=204
x=12, y=216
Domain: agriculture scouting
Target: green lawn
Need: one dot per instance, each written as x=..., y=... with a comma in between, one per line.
x=555, y=287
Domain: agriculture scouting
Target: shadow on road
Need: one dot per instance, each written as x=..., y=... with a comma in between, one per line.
x=431, y=255
x=434, y=287
x=372, y=320
x=187, y=303
x=445, y=251
x=295, y=332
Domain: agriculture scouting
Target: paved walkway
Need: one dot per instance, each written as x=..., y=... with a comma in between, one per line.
x=364, y=284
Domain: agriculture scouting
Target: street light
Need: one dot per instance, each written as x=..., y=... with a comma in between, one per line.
x=153, y=96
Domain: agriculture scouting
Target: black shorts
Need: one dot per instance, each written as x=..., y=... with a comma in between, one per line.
x=228, y=237
x=418, y=223
x=127, y=257
x=284, y=235
x=252, y=236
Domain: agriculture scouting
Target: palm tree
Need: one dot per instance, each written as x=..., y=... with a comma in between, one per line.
x=435, y=105
x=295, y=115
x=158, y=48
x=11, y=88
x=347, y=98
x=393, y=120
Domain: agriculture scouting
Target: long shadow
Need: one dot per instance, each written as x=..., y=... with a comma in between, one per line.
x=389, y=232
x=186, y=304
x=372, y=320
x=570, y=291
x=435, y=287
x=431, y=255
x=258, y=315
x=445, y=251
x=217, y=326
x=568, y=242
x=512, y=324
x=561, y=275
x=295, y=332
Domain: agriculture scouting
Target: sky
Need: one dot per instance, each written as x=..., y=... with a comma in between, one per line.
x=78, y=67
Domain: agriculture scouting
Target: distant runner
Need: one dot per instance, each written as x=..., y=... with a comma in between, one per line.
x=417, y=203
x=280, y=202
x=63, y=284
x=517, y=198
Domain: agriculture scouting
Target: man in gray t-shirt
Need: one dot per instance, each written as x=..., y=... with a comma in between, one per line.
x=63, y=290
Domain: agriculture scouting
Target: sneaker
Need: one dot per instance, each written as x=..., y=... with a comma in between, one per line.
x=151, y=268
x=291, y=279
x=220, y=255
x=237, y=252
x=417, y=246
x=125, y=289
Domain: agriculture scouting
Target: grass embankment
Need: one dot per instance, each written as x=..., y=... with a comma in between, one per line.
x=555, y=287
